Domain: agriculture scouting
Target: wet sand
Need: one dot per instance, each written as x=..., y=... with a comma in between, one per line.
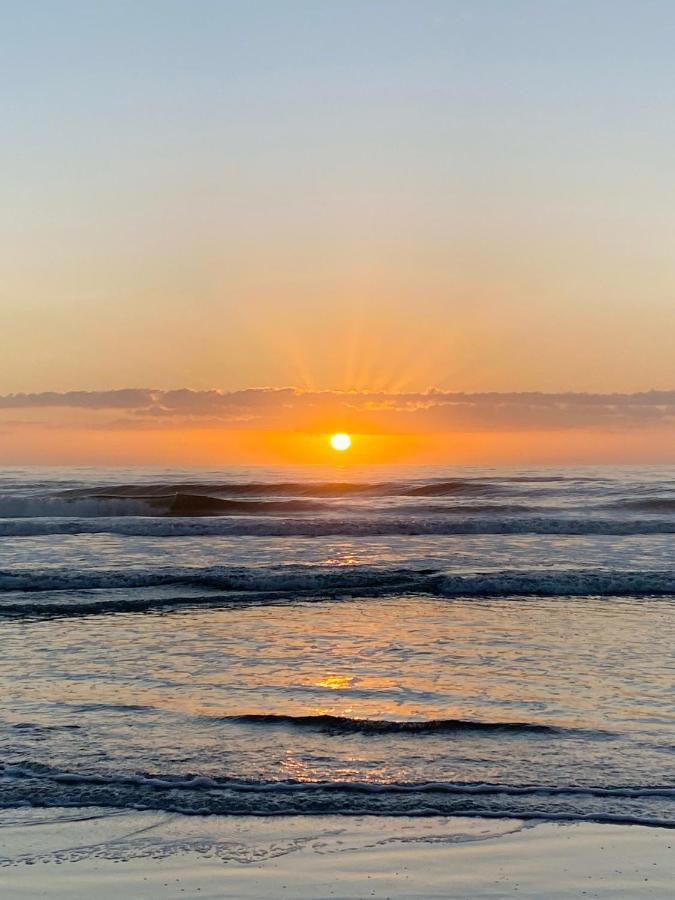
x=108, y=854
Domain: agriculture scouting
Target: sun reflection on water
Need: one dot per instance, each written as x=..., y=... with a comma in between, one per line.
x=335, y=682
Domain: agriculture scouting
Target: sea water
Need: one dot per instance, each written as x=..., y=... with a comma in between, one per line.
x=410, y=641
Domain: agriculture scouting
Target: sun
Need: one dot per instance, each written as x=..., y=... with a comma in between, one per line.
x=340, y=441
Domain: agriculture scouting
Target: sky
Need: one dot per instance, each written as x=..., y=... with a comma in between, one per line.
x=344, y=200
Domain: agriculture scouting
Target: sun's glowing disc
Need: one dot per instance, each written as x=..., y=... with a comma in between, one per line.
x=340, y=441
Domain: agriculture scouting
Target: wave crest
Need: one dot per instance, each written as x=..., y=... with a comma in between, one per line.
x=349, y=725
x=203, y=505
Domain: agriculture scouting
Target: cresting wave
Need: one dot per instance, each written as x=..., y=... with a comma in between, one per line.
x=66, y=592
x=179, y=504
x=199, y=505
x=436, y=488
x=43, y=786
x=226, y=498
x=348, y=725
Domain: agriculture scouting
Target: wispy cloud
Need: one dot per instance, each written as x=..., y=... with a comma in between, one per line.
x=432, y=411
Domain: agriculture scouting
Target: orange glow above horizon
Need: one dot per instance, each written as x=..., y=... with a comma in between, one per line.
x=80, y=444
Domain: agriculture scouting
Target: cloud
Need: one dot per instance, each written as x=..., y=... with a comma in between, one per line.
x=132, y=398
x=432, y=411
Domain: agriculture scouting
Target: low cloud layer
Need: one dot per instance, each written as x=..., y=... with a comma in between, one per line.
x=432, y=411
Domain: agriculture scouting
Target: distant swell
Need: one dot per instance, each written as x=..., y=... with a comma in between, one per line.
x=135, y=524
x=348, y=725
x=446, y=488
x=649, y=504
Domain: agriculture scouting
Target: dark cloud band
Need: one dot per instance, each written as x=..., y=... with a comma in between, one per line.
x=428, y=411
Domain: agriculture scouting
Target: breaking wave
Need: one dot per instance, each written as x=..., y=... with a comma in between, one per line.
x=42, y=786
x=73, y=593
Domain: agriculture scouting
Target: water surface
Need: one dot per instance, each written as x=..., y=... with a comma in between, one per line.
x=410, y=641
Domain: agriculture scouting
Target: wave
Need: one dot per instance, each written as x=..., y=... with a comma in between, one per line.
x=648, y=504
x=330, y=526
x=203, y=505
x=189, y=781
x=232, y=489
x=295, y=578
x=554, y=479
x=458, y=509
x=36, y=507
x=30, y=784
x=446, y=488
x=65, y=592
x=348, y=725
x=439, y=487
x=194, y=499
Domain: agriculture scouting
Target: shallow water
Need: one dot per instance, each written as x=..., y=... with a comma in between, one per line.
x=327, y=660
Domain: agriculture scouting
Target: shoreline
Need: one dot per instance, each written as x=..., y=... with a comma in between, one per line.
x=80, y=853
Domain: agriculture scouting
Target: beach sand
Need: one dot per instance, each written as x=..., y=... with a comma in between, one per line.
x=111, y=854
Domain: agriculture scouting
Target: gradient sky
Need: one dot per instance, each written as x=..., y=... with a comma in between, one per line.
x=470, y=195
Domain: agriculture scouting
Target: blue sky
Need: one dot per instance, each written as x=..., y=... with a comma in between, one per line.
x=473, y=195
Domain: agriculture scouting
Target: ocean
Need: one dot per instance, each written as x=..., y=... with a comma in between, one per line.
x=388, y=641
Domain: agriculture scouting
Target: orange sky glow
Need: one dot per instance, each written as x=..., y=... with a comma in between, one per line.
x=283, y=426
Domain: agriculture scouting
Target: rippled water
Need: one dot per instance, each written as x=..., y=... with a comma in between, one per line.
x=484, y=642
